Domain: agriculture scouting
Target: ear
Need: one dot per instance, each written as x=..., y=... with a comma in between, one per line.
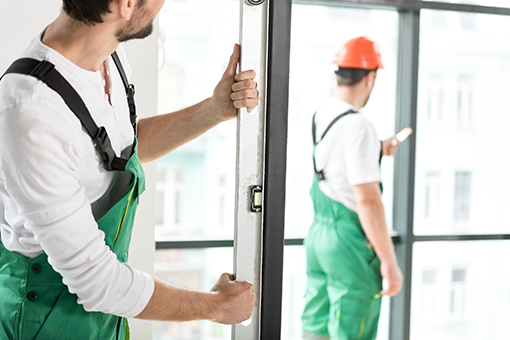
x=370, y=79
x=125, y=8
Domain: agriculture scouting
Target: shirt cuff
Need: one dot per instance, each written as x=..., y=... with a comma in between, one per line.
x=364, y=180
x=144, y=298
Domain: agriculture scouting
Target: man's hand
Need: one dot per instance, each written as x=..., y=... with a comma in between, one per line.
x=390, y=145
x=373, y=222
x=392, y=274
x=234, y=300
x=234, y=90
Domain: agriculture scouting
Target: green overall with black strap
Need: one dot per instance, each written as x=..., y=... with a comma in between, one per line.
x=344, y=281
x=34, y=303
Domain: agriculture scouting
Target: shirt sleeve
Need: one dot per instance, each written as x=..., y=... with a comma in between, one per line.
x=362, y=154
x=39, y=166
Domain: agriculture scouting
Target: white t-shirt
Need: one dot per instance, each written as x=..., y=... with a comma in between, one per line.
x=349, y=153
x=50, y=174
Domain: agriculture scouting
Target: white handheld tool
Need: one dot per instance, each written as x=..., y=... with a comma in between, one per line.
x=402, y=135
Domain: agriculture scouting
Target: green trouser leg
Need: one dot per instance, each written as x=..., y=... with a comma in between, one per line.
x=36, y=305
x=344, y=280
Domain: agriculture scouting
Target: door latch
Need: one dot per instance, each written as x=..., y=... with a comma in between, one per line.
x=256, y=198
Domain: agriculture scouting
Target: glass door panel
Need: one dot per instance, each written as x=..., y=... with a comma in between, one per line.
x=196, y=183
x=462, y=142
x=317, y=33
x=460, y=290
x=196, y=269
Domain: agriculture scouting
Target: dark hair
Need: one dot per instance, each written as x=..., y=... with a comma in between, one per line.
x=350, y=76
x=90, y=11
x=87, y=11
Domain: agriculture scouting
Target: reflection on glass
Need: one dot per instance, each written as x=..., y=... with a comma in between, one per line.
x=195, y=269
x=293, y=301
x=460, y=290
x=196, y=183
x=462, y=141
x=317, y=33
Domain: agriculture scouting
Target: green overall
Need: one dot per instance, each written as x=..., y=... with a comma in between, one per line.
x=344, y=279
x=34, y=303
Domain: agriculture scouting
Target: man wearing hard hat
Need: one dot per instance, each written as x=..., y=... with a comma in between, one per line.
x=348, y=248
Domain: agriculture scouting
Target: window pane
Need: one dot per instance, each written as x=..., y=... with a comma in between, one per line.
x=460, y=290
x=196, y=269
x=462, y=148
x=293, y=301
x=317, y=34
x=196, y=182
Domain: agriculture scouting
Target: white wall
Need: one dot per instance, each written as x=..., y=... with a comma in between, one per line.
x=20, y=22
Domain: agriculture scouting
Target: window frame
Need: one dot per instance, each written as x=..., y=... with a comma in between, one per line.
x=405, y=161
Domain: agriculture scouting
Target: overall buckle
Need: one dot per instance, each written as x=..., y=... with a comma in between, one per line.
x=104, y=147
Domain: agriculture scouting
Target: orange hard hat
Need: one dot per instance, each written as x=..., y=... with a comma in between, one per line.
x=361, y=53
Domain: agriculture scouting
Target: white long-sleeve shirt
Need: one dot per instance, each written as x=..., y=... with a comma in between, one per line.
x=50, y=174
x=348, y=154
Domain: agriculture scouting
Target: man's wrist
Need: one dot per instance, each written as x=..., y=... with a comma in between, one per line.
x=210, y=306
x=214, y=309
x=389, y=261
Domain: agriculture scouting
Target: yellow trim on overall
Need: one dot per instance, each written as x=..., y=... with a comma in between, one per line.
x=361, y=329
x=121, y=222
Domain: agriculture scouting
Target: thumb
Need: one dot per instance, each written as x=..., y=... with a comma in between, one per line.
x=232, y=64
x=226, y=277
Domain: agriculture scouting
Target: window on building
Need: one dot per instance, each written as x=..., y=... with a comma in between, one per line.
x=436, y=97
x=432, y=194
x=170, y=207
x=160, y=207
x=458, y=299
x=178, y=190
x=160, y=197
x=462, y=195
x=429, y=279
x=222, y=197
x=465, y=99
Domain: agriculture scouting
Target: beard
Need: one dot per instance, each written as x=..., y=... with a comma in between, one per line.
x=127, y=33
x=132, y=29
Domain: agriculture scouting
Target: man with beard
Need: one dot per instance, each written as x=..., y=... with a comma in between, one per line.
x=70, y=177
x=348, y=248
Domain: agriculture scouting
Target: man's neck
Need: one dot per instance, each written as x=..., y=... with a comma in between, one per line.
x=350, y=95
x=87, y=46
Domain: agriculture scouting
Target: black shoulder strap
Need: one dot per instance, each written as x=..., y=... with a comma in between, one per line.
x=320, y=174
x=46, y=72
x=130, y=90
x=337, y=118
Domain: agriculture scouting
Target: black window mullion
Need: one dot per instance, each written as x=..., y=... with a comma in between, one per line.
x=275, y=168
x=407, y=93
